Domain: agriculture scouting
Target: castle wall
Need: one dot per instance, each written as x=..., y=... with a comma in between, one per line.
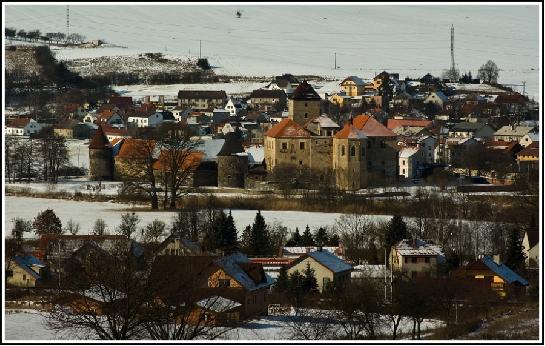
x=382, y=160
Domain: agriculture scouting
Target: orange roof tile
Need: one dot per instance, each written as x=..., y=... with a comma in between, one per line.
x=135, y=148
x=393, y=123
x=287, y=128
x=349, y=131
x=190, y=161
x=371, y=127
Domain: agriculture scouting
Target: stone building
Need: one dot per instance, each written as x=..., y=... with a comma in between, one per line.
x=232, y=161
x=101, y=165
x=348, y=158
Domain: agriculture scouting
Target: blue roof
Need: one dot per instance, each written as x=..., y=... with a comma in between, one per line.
x=329, y=260
x=504, y=271
x=27, y=262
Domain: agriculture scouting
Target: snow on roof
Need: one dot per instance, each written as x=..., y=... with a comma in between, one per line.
x=408, y=152
x=329, y=260
x=210, y=147
x=256, y=154
x=406, y=247
x=230, y=265
x=27, y=262
x=517, y=131
x=503, y=271
x=301, y=250
x=370, y=271
x=325, y=121
x=218, y=304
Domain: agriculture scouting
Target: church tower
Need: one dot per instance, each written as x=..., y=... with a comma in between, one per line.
x=350, y=158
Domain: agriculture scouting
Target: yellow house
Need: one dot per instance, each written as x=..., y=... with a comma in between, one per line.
x=25, y=271
x=528, y=157
x=353, y=86
x=415, y=258
x=499, y=277
x=328, y=268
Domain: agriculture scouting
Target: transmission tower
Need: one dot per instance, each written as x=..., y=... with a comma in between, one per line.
x=452, y=67
x=67, y=20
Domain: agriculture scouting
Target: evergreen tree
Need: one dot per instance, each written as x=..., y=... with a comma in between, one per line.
x=229, y=235
x=334, y=240
x=296, y=283
x=309, y=280
x=260, y=243
x=47, y=222
x=246, y=239
x=282, y=282
x=214, y=237
x=372, y=253
x=396, y=230
x=321, y=237
x=295, y=239
x=306, y=239
x=514, y=255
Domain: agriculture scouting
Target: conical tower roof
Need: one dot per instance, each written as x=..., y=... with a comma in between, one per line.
x=233, y=144
x=99, y=140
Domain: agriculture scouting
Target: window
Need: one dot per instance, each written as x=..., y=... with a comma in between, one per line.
x=306, y=105
x=403, y=162
x=300, y=162
x=406, y=259
x=403, y=170
x=326, y=282
x=224, y=283
x=342, y=150
x=302, y=145
x=306, y=115
x=368, y=144
x=427, y=260
x=352, y=151
x=24, y=277
x=284, y=146
x=414, y=259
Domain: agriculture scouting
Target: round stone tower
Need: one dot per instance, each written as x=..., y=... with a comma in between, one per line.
x=232, y=161
x=100, y=157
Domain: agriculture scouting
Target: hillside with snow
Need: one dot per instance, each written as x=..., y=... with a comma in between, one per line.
x=268, y=40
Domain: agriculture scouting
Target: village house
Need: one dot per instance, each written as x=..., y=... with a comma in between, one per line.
x=455, y=149
x=202, y=100
x=123, y=103
x=65, y=128
x=497, y=276
x=110, y=117
x=298, y=251
x=437, y=98
x=234, y=107
x=73, y=111
x=415, y=258
x=176, y=246
x=329, y=270
x=529, y=138
x=530, y=246
x=411, y=162
x=267, y=100
x=528, y=158
x=513, y=133
x=23, y=127
x=472, y=130
x=286, y=82
x=152, y=120
x=352, y=86
x=26, y=271
x=392, y=124
x=91, y=117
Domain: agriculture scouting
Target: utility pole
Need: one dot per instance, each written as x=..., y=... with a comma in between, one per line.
x=335, y=60
x=67, y=20
x=523, y=88
x=199, y=49
x=452, y=66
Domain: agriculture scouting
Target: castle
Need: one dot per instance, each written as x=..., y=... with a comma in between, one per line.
x=362, y=150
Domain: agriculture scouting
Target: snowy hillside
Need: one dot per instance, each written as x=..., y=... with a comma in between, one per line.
x=267, y=40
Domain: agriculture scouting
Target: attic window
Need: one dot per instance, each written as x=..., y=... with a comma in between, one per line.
x=224, y=283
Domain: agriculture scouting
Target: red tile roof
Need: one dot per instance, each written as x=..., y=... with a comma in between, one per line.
x=19, y=123
x=349, y=131
x=190, y=161
x=531, y=150
x=393, y=123
x=371, y=127
x=287, y=128
x=123, y=102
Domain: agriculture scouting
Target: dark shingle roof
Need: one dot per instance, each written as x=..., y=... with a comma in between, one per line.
x=202, y=94
x=305, y=92
x=265, y=93
x=232, y=144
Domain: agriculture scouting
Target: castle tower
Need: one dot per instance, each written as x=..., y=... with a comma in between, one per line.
x=100, y=157
x=232, y=161
x=304, y=104
x=350, y=158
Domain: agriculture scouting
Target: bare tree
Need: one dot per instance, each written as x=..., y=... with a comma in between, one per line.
x=72, y=227
x=489, y=72
x=308, y=324
x=99, y=228
x=356, y=233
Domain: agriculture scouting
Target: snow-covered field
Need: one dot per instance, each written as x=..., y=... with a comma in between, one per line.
x=267, y=40
x=30, y=325
x=87, y=212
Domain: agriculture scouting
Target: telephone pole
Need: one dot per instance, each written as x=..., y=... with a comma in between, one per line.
x=523, y=88
x=67, y=20
x=199, y=49
x=452, y=66
x=335, y=60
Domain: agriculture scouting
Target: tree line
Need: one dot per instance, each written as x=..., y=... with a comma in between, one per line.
x=36, y=35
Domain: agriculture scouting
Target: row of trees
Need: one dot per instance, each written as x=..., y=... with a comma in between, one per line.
x=488, y=73
x=40, y=158
x=36, y=35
